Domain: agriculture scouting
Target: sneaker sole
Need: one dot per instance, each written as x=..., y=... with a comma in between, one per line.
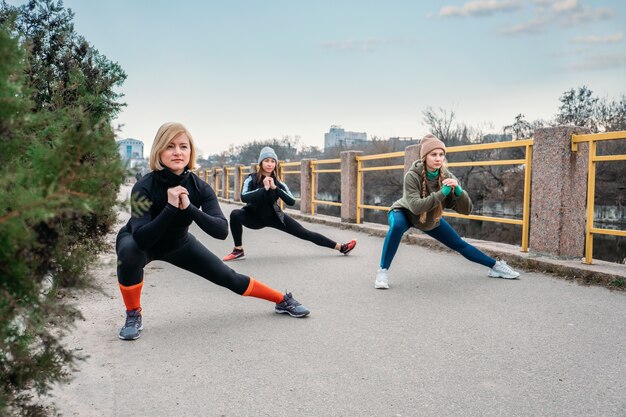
x=496, y=275
x=233, y=259
x=291, y=314
x=381, y=286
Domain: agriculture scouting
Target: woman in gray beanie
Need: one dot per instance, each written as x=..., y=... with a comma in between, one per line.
x=429, y=187
x=261, y=191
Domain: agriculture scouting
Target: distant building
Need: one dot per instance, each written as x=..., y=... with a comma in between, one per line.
x=131, y=152
x=338, y=137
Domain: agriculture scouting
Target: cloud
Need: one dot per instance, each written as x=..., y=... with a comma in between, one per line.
x=593, y=39
x=585, y=15
x=558, y=13
x=538, y=25
x=481, y=8
x=367, y=45
x=565, y=6
x=600, y=62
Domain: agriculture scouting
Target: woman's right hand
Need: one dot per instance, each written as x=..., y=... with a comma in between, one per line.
x=267, y=182
x=174, y=193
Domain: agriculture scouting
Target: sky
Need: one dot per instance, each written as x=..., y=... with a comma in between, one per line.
x=234, y=71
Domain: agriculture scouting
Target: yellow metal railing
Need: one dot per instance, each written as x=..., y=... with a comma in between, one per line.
x=282, y=172
x=216, y=188
x=242, y=171
x=591, y=184
x=314, y=172
x=228, y=171
x=359, y=179
x=525, y=143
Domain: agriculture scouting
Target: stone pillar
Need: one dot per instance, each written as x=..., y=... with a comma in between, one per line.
x=238, y=182
x=558, y=193
x=411, y=154
x=305, y=186
x=349, y=176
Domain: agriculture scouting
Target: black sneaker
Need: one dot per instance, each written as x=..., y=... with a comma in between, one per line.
x=133, y=325
x=291, y=307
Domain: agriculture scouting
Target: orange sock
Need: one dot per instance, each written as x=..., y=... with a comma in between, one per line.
x=259, y=290
x=132, y=296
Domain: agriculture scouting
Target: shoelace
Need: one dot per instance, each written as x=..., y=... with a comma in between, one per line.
x=505, y=267
x=290, y=301
x=132, y=320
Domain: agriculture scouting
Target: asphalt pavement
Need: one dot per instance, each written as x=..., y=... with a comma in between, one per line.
x=444, y=340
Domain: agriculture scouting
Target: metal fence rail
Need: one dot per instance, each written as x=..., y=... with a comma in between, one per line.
x=592, y=140
x=314, y=172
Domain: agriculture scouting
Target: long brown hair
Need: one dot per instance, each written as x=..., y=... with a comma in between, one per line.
x=439, y=209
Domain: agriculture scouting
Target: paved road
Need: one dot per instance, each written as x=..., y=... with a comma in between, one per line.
x=445, y=340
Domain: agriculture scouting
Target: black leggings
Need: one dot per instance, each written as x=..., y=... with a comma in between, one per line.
x=188, y=254
x=240, y=218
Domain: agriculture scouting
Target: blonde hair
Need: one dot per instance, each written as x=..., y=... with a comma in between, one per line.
x=167, y=133
x=439, y=209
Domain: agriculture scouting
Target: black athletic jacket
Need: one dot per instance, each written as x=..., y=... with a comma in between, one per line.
x=162, y=224
x=264, y=203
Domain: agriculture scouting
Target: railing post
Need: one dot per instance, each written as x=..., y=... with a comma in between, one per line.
x=237, y=182
x=559, y=189
x=411, y=154
x=305, y=186
x=213, y=180
x=225, y=183
x=349, y=177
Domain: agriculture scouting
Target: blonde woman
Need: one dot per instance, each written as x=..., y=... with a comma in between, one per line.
x=261, y=191
x=164, y=203
x=429, y=187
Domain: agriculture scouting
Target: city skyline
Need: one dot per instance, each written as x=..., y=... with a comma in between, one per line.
x=238, y=71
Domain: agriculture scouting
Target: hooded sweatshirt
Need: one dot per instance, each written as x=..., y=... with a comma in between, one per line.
x=414, y=204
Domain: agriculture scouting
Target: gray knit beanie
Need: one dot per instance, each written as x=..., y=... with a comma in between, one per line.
x=267, y=152
x=429, y=143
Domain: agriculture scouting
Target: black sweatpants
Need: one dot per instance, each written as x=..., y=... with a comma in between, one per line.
x=187, y=253
x=240, y=218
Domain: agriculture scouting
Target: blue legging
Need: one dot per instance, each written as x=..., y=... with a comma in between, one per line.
x=444, y=233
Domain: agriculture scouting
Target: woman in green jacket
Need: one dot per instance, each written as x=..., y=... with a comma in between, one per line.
x=429, y=188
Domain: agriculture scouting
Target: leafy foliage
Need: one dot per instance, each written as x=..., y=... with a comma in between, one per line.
x=59, y=176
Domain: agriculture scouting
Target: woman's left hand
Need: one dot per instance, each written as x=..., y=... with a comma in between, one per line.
x=183, y=201
x=272, y=184
x=450, y=182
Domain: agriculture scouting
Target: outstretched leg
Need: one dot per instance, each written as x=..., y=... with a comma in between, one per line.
x=194, y=257
x=296, y=229
x=445, y=234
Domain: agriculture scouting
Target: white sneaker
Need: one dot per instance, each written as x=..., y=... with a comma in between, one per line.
x=502, y=270
x=382, y=279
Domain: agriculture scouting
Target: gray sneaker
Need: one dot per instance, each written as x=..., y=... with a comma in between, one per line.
x=133, y=326
x=291, y=306
x=502, y=270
